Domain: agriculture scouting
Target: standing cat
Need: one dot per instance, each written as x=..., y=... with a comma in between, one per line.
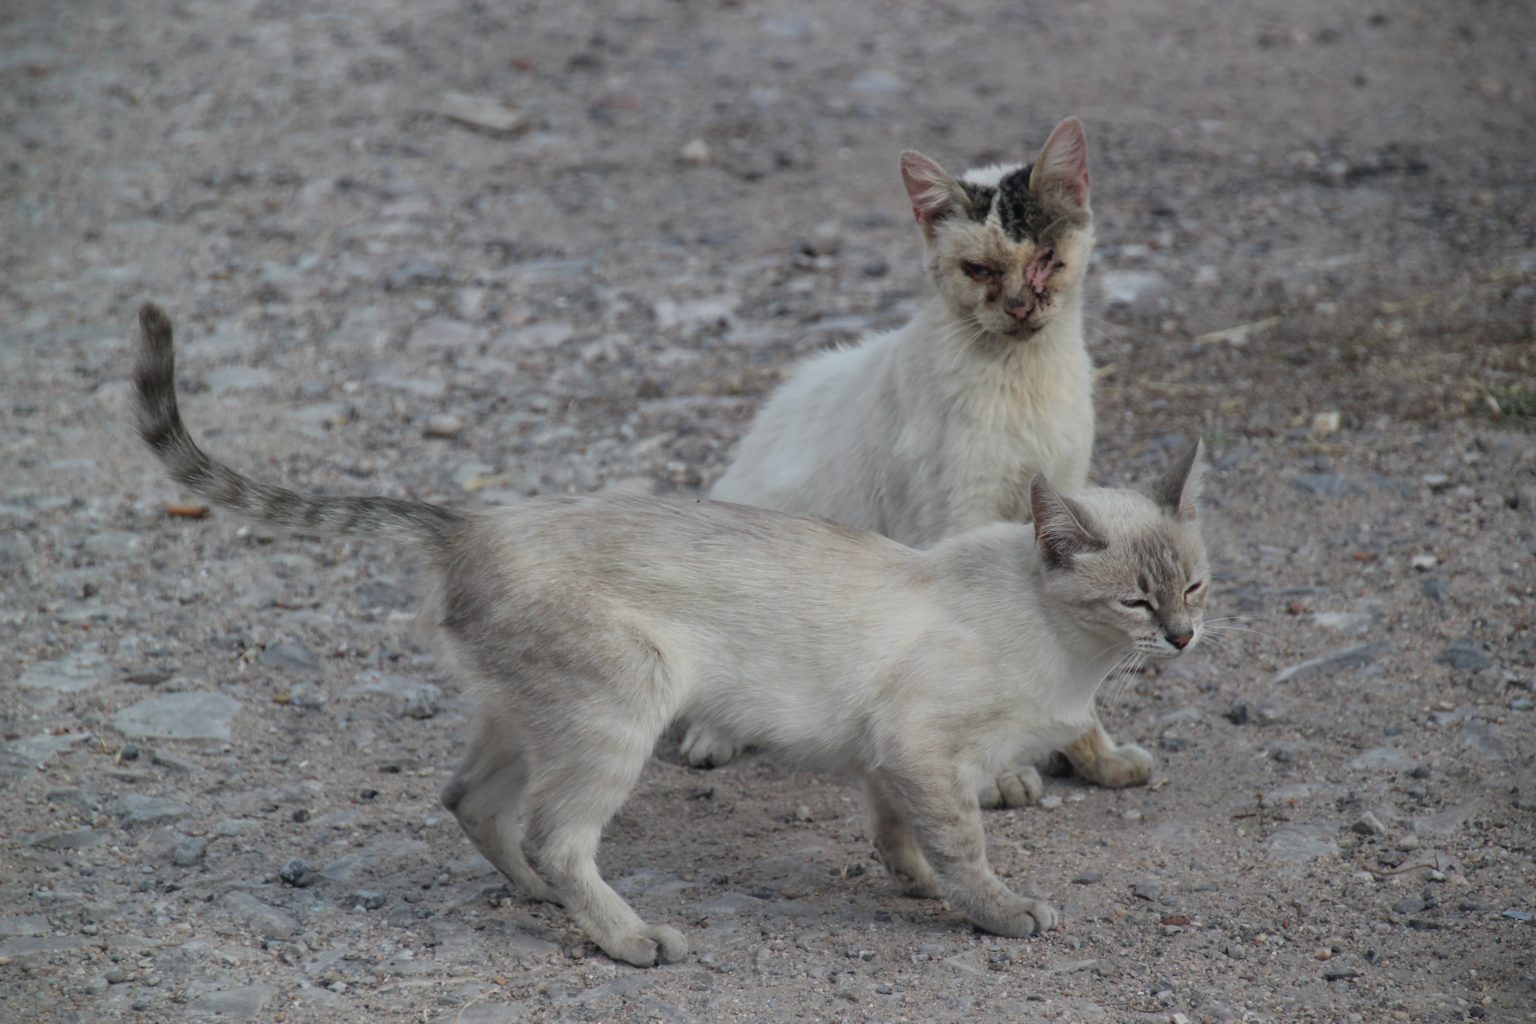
x=586, y=625
x=937, y=427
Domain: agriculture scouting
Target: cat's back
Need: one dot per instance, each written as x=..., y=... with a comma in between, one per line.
x=807, y=448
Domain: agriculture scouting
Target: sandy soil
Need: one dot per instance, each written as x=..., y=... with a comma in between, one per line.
x=1316, y=250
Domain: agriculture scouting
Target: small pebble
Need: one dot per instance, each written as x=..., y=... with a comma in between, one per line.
x=1424, y=563
x=695, y=153
x=444, y=426
x=1050, y=802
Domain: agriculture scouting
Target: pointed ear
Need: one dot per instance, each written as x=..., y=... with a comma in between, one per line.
x=1063, y=163
x=934, y=194
x=1178, y=492
x=1061, y=527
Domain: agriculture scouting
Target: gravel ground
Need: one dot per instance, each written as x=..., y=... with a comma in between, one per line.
x=476, y=251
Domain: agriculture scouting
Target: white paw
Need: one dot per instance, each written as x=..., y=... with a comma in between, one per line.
x=653, y=944
x=1126, y=765
x=704, y=749
x=1018, y=788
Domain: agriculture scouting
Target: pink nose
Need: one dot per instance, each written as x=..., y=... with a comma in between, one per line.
x=1021, y=308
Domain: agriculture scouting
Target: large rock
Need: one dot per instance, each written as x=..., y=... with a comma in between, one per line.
x=196, y=715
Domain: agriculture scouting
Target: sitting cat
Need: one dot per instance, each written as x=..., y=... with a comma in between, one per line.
x=586, y=625
x=937, y=427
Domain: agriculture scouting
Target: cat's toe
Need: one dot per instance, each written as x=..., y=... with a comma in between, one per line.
x=671, y=947
x=1019, y=788
x=1044, y=915
x=704, y=750
x=1126, y=765
x=651, y=945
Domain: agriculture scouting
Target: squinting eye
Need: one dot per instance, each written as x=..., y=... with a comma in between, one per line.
x=1135, y=602
x=1190, y=592
x=978, y=271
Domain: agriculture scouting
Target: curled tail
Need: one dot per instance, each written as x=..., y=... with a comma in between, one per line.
x=154, y=382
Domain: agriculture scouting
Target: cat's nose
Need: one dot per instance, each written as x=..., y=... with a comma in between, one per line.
x=1180, y=640
x=1021, y=308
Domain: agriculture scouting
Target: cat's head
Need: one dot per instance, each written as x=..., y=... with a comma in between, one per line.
x=1129, y=565
x=1008, y=246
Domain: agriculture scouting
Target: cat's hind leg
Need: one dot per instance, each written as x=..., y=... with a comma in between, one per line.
x=703, y=748
x=941, y=810
x=1096, y=757
x=1019, y=786
x=898, y=850
x=580, y=780
x=486, y=795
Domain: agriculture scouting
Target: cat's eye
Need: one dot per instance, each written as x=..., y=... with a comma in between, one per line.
x=1193, y=587
x=1135, y=602
x=978, y=271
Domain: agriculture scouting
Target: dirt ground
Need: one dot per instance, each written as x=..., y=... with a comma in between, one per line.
x=473, y=251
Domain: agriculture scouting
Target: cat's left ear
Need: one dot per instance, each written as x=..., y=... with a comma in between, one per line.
x=1062, y=166
x=1062, y=530
x=934, y=194
x=1178, y=492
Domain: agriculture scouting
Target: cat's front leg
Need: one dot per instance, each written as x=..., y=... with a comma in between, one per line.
x=942, y=813
x=1096, y=757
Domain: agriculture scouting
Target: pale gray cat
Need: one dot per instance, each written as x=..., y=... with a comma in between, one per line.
x=937, y=428
x=586, y=625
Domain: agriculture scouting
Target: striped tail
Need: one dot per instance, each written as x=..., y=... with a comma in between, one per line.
x=154, y=379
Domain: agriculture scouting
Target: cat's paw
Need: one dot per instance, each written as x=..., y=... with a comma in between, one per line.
x=1126, y=765
x=1026, y=918
x=651, y=945
x=704, y=749
x=1018, y=788
x=919, y=882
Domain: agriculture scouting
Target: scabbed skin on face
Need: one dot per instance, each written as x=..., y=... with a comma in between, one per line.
x=1007, y=245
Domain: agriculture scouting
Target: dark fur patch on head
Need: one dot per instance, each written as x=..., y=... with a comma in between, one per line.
x=979, y=200
x=1022, y=215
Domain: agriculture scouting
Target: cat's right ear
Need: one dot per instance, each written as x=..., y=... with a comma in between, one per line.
x=934, y=194
x=1178, y=492
x=1061, y=527
x=1062, y=166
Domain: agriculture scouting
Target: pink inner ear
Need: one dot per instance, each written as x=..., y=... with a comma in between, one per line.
x=925, y=180
x=1064, y=160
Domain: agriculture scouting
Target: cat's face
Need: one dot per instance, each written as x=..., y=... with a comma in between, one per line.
x=1008, y=246
x=1130, y=566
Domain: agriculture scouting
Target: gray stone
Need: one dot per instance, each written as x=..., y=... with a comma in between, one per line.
x=15, y=549
x=1448, y=820
x=1131, y=287
x=1368, y=825
x=1300, y=844
x=443, y=426
x=31, y=752
x=1349, y=657
x=135, y=810
x=224, y=379
x=70, y=839
x=293, y=657
x=11, y=927
x=415, y=274
x=420, y=699
x=189, y=852
x=51, y=680
x=1379, y=759
x=877, y=82
x=1484, y=738
x=268, y=921
x=244, y=1002
x=1147, y=889
x=197, y=715
x=1326, y=485
x=298, y=873
x=1465, y=656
